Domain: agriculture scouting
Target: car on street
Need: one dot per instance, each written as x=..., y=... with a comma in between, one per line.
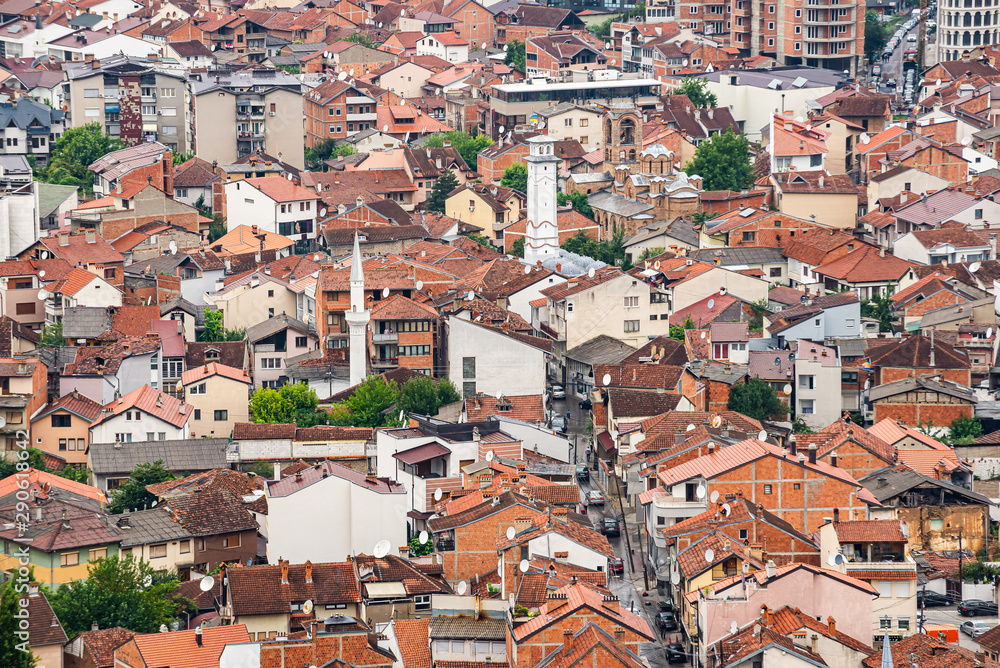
x=974, y=628
x=891, y=82
x=610, y=527
x=558, y=423
x=931, y=599
x=616, y=566
x=558, y=392
x=974, y=607
x=582, y=472
x=675, y=653
x=666, y=621
x=595, y=498
x=586, y=404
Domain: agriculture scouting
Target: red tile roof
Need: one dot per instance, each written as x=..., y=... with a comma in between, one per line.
x=258, y=590
x=412, y=636
x=214, y=369
x=564, y=603
x=150, y=401
x=865, y=265
x=529, y=407
x=280, y=189
x=103, y=643
x=35, y=480
x=75, y=280
x=869, y=531
x=75, y=403
x=326, y=469
x=180, y=649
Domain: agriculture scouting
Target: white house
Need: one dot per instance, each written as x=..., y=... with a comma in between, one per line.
x=79, y=288
x=274, y=205
x=447, y=46
x=490, y=360
x=26, y=39
x=368, y=509
x=550, y=538
x=817, y=372
x=100, y=45
x=144, y=414
x=952, y=243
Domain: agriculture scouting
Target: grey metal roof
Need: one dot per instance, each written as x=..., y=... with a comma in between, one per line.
x=850, y=347
x=680, y=229
x=929, y=383
x=952, y=313
x=468, y=628
x=593, y=177
x=785, y=76
x=181, y=304
x=892, y=482
x=51, y=195
x=262, y=330
x=618, y=205
x=150, y=526
x=248, y=79
x=749, y=255
x=85, y=322
x=189, y=455
x=563, y=107
x=602, y=349
x=26, y=111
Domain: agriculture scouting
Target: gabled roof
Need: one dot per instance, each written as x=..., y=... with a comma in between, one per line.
x=564, y=604
x=915, y=352
x=258, y=590
x=211, y=369
x=150, y=401
x=478, y=512
x=865, y=265
x=544, y=523
x=327, y=469
x=182, y=649
x=927, y=383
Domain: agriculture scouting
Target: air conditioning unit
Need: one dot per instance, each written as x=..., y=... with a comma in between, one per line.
x=271, y=113
x=472, y=208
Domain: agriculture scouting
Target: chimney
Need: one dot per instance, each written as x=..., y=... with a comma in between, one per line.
x=769, y=569
x=64, y=238
x=567, y=640
x=791, y=445
x=284, y=572
x=932, y=348
x=833, y=459
x=309, y=571
x=711, y=447
x=812, y=453
x=197, y=637
x=619, y=636
x=94, y=626
x=836, y=515
x=277, y=471
x=831, y=624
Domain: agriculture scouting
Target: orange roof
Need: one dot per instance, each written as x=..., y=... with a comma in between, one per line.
x=214, y=369
x=281, y=190
x=880, y=139
x=98, y=203
x=241, y=241
x=422, y=124
x=75, y=281
x=793, y=138
x=180, y=649
x=37, y=479
x=929, y=462
x=151, y=401
x=891, y=432
x=564, y=603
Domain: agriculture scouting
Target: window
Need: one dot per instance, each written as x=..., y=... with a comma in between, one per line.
x=200, y=388
x=720, y=351
x=775, y=272
x=168, y=111
x=270, y=363
x=770, y=25
x=849, y=322
x=150, y=435
x=270, y=293
x=62, y=443
x=233, y=541
x=978, y=213
x=808, y=406
x=220, y=416
x=661, y=521
x=482, y=646
x=796, y=486
x=26, y=308
x=584, y=122
x=149, y=110
x=185, y=546
x=767, y=489
x=749, y=236
x=62, y=421
x=167, y=92
x=69, y=559
x=422, y=602
x=903, y=622
x=270, y=313
x=631, y=326
x=902, y=589
x=468, y=367
x=631, y=302
x=457, y=645
x=567, y=122
x=937, y=525
x=806, y=382
x=885, y=622
x=123, y=438
x=743, y=534
x=91, y=92
x=849, y=377
x=798, y=13
x=441, y=645
x=197, y=414
x=98, y=553
x=301, y=342
x=158, y=551
x=884, y=588
x=469, y=389
x=169, y=129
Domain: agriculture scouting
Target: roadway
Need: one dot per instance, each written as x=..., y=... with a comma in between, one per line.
x=949, y=615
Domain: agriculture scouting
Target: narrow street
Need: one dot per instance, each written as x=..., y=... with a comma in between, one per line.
x=949, y=615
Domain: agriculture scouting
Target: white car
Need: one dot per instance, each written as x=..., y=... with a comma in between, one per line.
x=595, y=498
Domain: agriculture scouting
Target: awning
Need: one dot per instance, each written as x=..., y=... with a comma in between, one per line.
x=606, y=442
x=111, y=108
x=417, y=515
x=422, y=453
x=385, y=589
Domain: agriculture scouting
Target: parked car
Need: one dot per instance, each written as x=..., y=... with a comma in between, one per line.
x=595, y=498
x=675, y=653
x=930, y=599
x=558, y=392
x=558, y=423
x=663, y=604
x=666, y=621
x=974, y=607
x=586, y=404
x=610, y=527
x=975, y=628
x=582, y=472
x=616, y=566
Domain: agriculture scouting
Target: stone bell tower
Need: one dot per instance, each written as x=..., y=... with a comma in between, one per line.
x=541, y=236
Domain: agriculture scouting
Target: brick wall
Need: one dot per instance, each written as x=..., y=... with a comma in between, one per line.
x=533, y=649
x=890, y=374
x=476, y=543
x=491, y=169
x=921, y=413
x=857, y=461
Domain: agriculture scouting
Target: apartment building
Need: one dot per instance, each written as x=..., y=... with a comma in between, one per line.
x=336, y=110
x=239, y=113
x=132, y=99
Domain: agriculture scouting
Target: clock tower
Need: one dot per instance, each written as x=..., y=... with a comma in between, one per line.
x=541, y=236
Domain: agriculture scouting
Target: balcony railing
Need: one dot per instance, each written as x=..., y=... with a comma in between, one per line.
x=385, y=361
x=248, y=136
x=388, y=337
x=445, y=545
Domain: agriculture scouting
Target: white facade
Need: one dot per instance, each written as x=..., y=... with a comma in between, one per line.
x=818, y=398
x=541, y=234
x=18, y=219
x=908, y=247
x=358, y=318
x=481, y=359
x=139, y=430
x=295, y=219
x=551, y=542
x=430, y=45
x=119, y=44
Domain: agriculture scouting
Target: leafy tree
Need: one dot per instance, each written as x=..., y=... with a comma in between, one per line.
x=76, y=149
x=263, y=469
x=723, y=162
x=697, y=91
x=294, y=402
x=480, y=239
x=517, y=248
x=367, y=406
x=516, y=177
x=515, y=56
x=418, y=395
x=52, y=335
x=214, y=331
x=467, y=145
x=602, y=29
x=115, y=593
x=880, y=308
x=649, y=253
x=755, y=399
x=760, y=310
x=418, y=550
x=577, y=201
x=14, y=650
x=799, y=426
x=360, y=38
x=677, y=331
x=443, y=187
x=325, y=149
x=965, y=430
x=876, y=36
x=132, y=494
x=610, y=252
x=181, y=158
x=215, y=232
x=447, y=393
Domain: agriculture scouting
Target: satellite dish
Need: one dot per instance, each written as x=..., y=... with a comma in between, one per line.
x=322, y=212
x=402, y=12
x=700, y=492
x=490, y=456
x=527, y=270
x=326, y=54
x=502, y=127
x=607, y=45
x=675, y=578
x=173, y=247
x=541, y=126
x=656, y=265
x=715, y=496
x=832, y=560
x=726, y=508
x=864, y=138
x=462, y=587
x=734, y=627
x=989, y=332
x=423, y=538
x=787, y=390
x=385, y=128
x=607, y=379
x=703, y=335
x=307, y=607
x=147, y=581
x=717, y=421
x=966, y=141
x=206, y=583
x=523, y=566
x=838, y=559
x=614, y=434
x=41, y=274
x=762, y=435
x=722, y=291
x=402, y=103
x=438, y=494
x=352, y=71
x=163, y=628
x=690, y=427
x=974, y=267
x=499, y=394
x=709, y=555
x=591, y=272
x=420, y=285
x=380, y=24
x=43, y=294
x=385, y=292
x=382, y=548
x=342, y=76
x=711, y=304
x=471, y=295
x=511, y=533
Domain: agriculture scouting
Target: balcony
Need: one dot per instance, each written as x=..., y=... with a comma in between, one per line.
x=249, y=135
x=383, y=362
x=247, y=115
x=387, y=337
x=362, y=117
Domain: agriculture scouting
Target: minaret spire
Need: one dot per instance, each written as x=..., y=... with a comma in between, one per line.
x=358, y=318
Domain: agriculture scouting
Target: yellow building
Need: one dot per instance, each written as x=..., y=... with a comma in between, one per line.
x=220, y=397
x=491, y=208
x=62, y=428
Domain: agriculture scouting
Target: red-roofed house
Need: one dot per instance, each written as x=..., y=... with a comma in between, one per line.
x=144, y=414
x=275, y=205
x=219, y=395
x=200, y=648
x=62, y=428
x=405, y=334
x=445, y=45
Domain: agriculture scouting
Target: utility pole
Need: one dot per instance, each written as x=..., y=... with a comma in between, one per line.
x=921, y=38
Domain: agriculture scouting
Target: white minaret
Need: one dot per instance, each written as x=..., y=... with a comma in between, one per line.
x=541, y=236
x=357, y=318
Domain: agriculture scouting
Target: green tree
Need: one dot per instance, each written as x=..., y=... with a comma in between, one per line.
x=118, y=591
x=467, y=145
x=649, y=253
x=262, y=469
x=879, y=307
x=293, y=402
x=360, y=38
x=876, y=36
x=480, y=239
x=576, y=201
x=755, y=399
x=447, y=393
x=52, y=335
x=367, y=405
x=214, y=331
x=215, y=232
x=77, y=149
x=325, y=149
x=419, y=550
x=418, y=395
x=760, y=310
x=697, y=91
x=132, y=494
x=610, y=252
x=515, y=56
x=443, y=187
x=14, y=650
x=517, y=248
x=516, y=177
x=602, y=29
x=965, y=430
x=677, y=331
x=723, y=162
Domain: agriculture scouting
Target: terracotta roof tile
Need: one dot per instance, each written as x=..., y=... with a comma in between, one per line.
x=150, y=401
x=103, y=643
x=869, y=531
x=214, y=369
x=180, y=649
x=413, y=641
x=565, y=602
x=258, y=590
x=529, y=407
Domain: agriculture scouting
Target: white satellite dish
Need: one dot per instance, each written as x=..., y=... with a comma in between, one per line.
x=614, y=434
x=342, y=76
x=173, y=247
x=402, y=12
x=966, y=141
x=438, y=494
x=380, y=24
x=700, y=492
x=322, y=212
x=420, y=285
x=607, y=45
x=511, y=533
x=499, y=394
x=206, y=583
x=832, y=560
x=591, y=272
x=726, y=508
x=989, y=332
x=164, y=628
x=147, y=581
x=690, y=427
x=43, y=294
x=527, y=269
x=490, y=456
x=864, y=138
x=523, y=566
x=711, y=304
x=675, y=578
x=703, y=335
x=402, y=103
x=352, y=71
x=502, y=128
x=656, y=265
x=607, y=379
x=462, y=587
x=715, y=496
x=326, y=54
x=471, y=295
x=541, y=126
x=385, y=128
x=385, y=292
x=41, y=274
x=974, y=267
x=382, y=548
x=307, y=607
x=709, y=555
x=717, y=421
x=787, y=390
x=734, y=627
x=762, y=435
